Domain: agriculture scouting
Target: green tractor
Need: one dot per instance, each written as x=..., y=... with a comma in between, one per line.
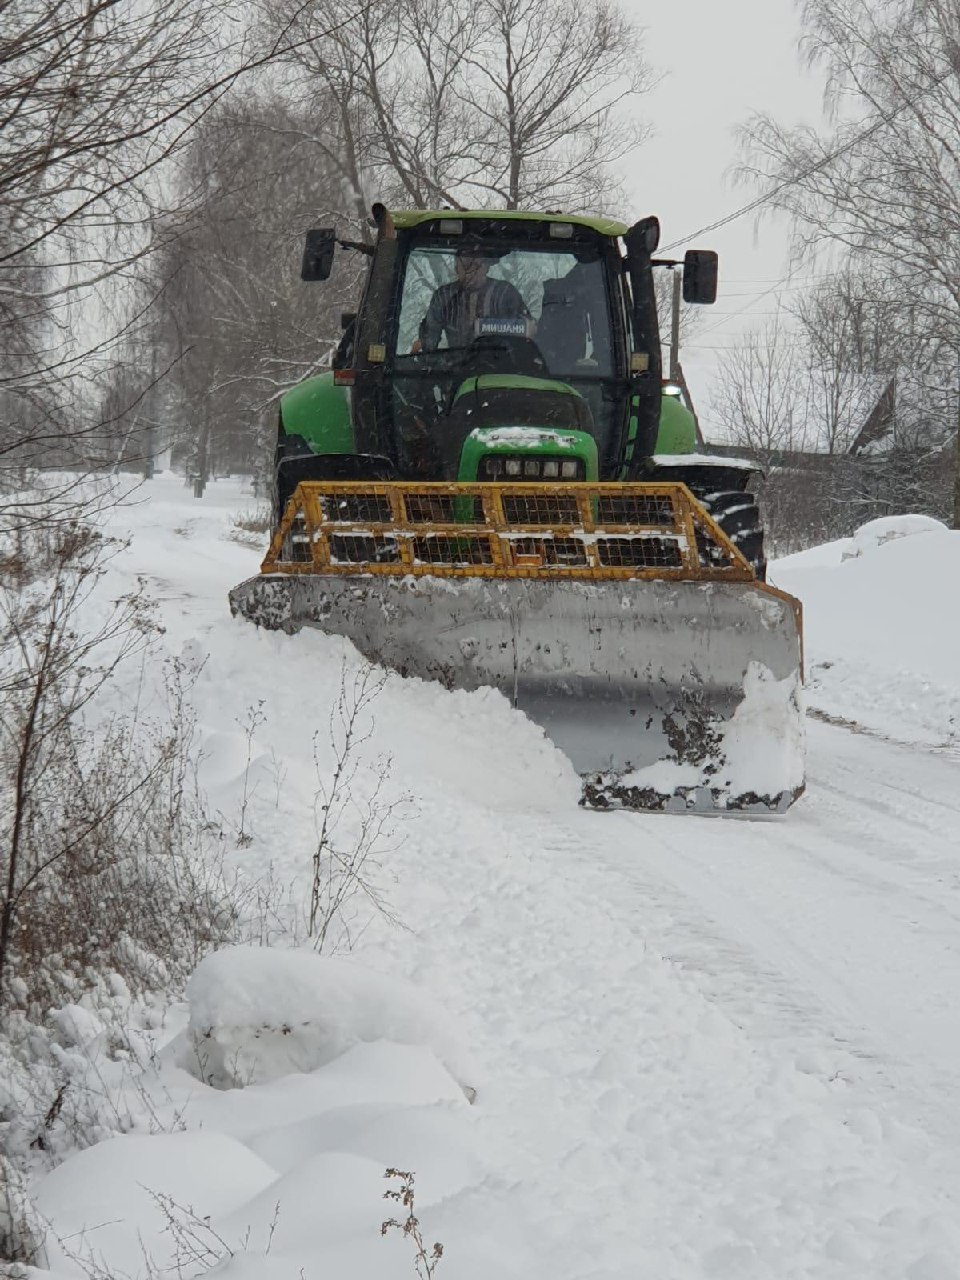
x=493, y=485
x=565, y=347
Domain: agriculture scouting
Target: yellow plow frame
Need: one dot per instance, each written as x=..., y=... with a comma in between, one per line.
x=597, y=532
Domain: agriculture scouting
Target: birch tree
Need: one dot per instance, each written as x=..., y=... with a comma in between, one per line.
x=883, y=181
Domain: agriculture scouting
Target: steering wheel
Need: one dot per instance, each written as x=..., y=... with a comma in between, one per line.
x=523, y=356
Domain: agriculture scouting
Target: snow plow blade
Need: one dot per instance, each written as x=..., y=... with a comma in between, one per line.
x=616, y=616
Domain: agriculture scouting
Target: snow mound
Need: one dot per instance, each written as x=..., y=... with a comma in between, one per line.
x=438, y=1141
x=887, y=529
x=114, y=1200
x=332, y=1196
x=257, y=1014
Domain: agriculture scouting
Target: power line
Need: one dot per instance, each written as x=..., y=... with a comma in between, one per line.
x=808, y=172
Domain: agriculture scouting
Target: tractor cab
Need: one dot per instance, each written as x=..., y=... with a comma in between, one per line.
x=489, y=345
x=480, y=323
x=503, y=327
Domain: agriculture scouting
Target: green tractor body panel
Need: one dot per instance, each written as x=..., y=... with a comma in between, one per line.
x=678, y=431
x=319, y=411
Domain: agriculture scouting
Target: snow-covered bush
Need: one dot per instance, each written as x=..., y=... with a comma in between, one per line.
x=101, y=820
x=887, y=529
x=21, y=1233
x=258, y=1013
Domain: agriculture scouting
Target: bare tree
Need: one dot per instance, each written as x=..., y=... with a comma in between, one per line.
x=759, y=398
x=93, y=97
x=497, y=103
x=97, y=98
x=841, y=377
x=233, y=322
x=884, y=182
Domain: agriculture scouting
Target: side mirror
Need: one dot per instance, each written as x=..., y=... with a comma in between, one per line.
x=700, y=267
x=644, y=235
x=318, y=254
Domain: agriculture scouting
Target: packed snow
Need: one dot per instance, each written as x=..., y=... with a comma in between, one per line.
x=608, y=1045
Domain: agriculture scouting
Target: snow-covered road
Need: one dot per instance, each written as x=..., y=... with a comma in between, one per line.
x=707, y=1047
x=839, y=928
x=729, y=1047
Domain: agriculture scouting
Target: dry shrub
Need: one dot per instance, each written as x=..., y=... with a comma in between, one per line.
x=101, y=820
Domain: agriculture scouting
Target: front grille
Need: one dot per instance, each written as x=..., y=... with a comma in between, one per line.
x=553, y=552
x=442, y=550
x=363, y=548
x=635, y=509
x=442, y=508
x=356, y=508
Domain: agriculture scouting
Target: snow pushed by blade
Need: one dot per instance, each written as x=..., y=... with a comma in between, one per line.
x=621, y=675
x=753, y=762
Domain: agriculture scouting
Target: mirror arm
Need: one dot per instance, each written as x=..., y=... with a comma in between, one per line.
x=358, y=246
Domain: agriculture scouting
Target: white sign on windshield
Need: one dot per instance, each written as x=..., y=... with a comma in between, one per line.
x=515, y=326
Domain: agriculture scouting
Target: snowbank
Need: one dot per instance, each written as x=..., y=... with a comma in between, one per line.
x=881, y=621
x=888, y=528
x=258, y=1013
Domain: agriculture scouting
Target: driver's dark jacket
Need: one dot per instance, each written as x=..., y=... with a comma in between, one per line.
x=454, y=310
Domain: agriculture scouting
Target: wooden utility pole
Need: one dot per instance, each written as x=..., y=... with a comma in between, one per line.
x=676, y=369
x=675, y=326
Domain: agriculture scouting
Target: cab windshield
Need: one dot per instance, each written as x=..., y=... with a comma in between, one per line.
x=552, y=298
x=480, y=308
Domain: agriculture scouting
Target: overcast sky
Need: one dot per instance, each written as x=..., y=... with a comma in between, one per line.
x=721, y=60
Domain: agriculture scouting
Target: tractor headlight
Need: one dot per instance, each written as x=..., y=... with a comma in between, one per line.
x=491, y=465
x=551, y=468
x=531, y=467
x=569, y=468
x=513, y=466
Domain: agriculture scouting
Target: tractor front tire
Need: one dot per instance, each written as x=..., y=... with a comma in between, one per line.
x=738, y=516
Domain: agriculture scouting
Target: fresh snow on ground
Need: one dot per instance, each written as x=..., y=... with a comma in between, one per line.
x=609, y=1045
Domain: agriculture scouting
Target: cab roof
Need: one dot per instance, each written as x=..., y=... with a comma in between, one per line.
x=414, y=217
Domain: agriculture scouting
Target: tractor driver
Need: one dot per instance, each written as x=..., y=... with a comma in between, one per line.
x=456, y=307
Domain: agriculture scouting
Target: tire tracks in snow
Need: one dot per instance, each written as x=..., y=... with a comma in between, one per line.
x=827, y=934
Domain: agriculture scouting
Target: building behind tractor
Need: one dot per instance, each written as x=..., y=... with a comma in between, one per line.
x=493, y=486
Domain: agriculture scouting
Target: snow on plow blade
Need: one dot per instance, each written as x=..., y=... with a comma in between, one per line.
x=618, y=617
